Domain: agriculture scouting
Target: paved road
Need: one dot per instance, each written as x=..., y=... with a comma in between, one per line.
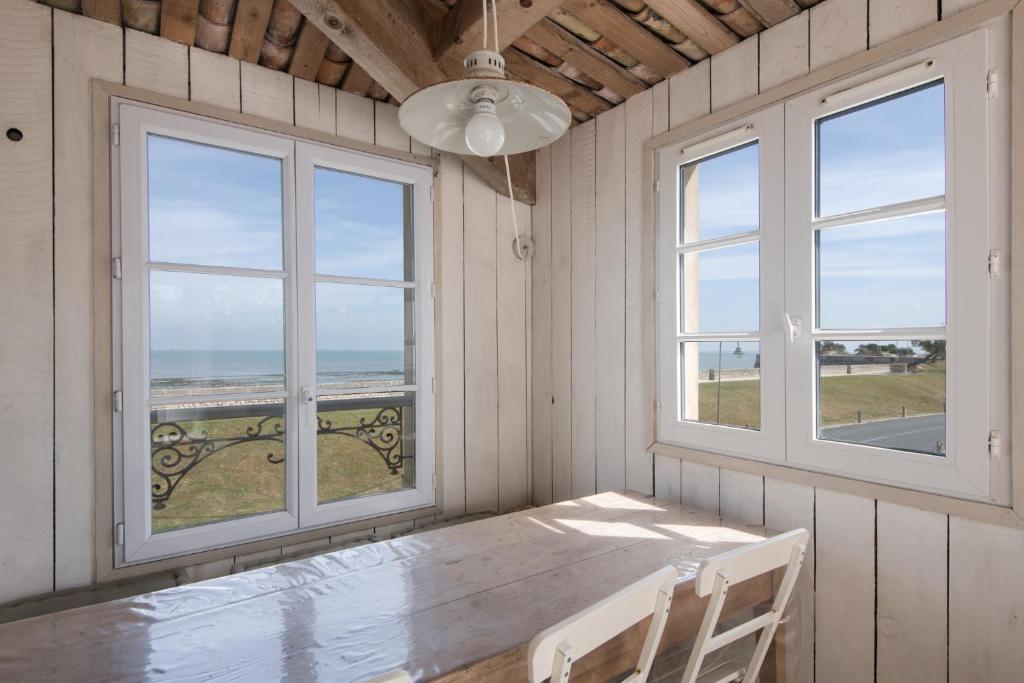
x=918, y=433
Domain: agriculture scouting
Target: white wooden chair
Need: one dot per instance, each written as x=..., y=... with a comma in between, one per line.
x=398, y=676
x=714, y=577
x=553, y=650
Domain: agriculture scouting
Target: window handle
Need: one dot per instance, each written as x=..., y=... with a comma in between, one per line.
x=795, y=326
x=309, y=400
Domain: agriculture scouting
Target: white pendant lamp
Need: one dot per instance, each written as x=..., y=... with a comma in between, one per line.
x=484, y=114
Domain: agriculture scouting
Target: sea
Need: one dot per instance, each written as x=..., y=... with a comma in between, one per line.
x=240, y=370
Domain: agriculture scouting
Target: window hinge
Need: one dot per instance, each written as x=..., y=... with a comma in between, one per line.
x=657, y=295
x=115, y=268
x=657, y=186
x=118, y=401
x=433, y=481
x=119, y=533
x=433, y=384
x=657, y=406
x=431, y=194
x=115, y=134
x=995, y=442
x=992, y=83
x=995, y=263
x=433, y=291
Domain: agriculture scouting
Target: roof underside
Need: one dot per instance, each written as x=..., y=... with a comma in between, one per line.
x=592, y=53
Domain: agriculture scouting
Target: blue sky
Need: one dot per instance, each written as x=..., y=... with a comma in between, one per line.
x=885, y=274
x=211, y=206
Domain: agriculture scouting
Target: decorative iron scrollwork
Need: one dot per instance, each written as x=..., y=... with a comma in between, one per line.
x=175, y=452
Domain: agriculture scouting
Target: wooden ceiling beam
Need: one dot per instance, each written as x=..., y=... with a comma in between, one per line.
x=251, y=19
x=461, y=30
x=309, y=53
x=104, y=10
x=568, y=47
x=576, y=96
x=771, y=12
x=609, y=21
x=690, y=17
x=389, y=40
x=178, y=20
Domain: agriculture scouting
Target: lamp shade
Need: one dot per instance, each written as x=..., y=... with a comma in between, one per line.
x=437, y=115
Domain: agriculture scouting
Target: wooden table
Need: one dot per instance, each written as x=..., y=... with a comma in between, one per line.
x=454, y=604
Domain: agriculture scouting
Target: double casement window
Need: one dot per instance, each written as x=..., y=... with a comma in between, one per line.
x=272, y=334
x=830, y=290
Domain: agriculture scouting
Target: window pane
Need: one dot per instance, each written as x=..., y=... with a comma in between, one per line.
x=883, y=393
x=214, y=334
x=216, y=462
x=213, y=206
x=365, y=445
x=718, y=196
x=886, y=274
x=363, y=336
x=363, y=226
x=889, y=151
x=719, y=289
x=721, y=383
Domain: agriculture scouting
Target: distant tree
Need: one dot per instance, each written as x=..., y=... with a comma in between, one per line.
x=871, y=349
x=934, y=349
x=832, y=347
x=904, y=351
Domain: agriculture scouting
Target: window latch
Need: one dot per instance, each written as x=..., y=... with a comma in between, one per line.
x=118, y=401
x=992, y=84
x=794, y=325
x=119, y=533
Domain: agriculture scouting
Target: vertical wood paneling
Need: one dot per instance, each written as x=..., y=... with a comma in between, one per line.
x=689, y=95
x=784, y=51
x=668, y=483
x=734, y=74
x=561, y=318
x=451, y=401
x=388, y=133
x=610, y=298
x=791, y=506
x=315, y=106
x=267, y=93
x=911, y=615
x=839, y=28
x=986, y=602
x=26, y=336
x=844, y=607
x=662, y=106
x=153, y=63
x=83, y=49
x=893, y=18
x=214, y=79
x=741, y=497
x=513, y=441
x=700, y=486
x=541, y=368
x=639, y=463
x=355, y=116
x=583, y=309
x=481, y=340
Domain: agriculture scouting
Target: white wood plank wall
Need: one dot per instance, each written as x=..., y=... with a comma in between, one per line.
x=881, y=581
x=46, y=349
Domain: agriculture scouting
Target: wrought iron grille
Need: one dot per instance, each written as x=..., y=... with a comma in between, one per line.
x=175, y=452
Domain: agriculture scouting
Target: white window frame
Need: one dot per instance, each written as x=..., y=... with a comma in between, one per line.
x=977, y=185
x=130, y=343
x=765, y=128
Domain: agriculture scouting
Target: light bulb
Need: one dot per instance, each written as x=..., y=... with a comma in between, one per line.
x=485, y=135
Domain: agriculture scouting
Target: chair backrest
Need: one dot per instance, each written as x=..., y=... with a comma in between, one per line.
x=399, y=676
x=716, y=574
x=553, y=651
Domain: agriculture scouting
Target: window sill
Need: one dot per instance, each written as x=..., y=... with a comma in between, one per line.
x=933, y=502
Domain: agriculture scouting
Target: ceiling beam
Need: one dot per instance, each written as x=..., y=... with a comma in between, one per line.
x=389, y=40
x=578, y=98
x=609, y=21
x=771, y=12
x=571, y=49
x=690, y=17
x=461, y=31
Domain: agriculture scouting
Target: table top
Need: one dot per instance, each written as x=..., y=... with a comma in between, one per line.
x=432, y=603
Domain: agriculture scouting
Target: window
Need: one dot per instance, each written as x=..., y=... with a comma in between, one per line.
x=887, y=315
x=272, y=337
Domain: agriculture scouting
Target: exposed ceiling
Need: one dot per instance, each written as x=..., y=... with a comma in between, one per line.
x=592, y=53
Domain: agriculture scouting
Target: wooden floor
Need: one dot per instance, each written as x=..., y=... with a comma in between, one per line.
x=456, y=604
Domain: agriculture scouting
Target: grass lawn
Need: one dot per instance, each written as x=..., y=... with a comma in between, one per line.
x=239, y=480
x=876, y=396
